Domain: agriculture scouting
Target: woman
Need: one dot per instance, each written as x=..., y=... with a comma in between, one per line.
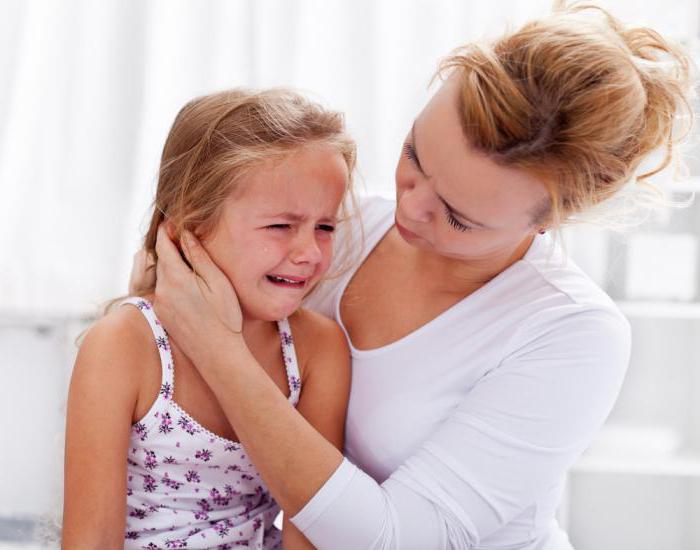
x=483, y=360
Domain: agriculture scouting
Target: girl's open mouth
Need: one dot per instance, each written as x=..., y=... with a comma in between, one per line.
x=287, y=282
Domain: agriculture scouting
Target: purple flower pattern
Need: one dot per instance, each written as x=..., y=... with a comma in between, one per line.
x=141, y=431
x=188, y=425
x=151, y=461
x=204, y=455
x=166, y=423
x=192, y=477
x=166, y=390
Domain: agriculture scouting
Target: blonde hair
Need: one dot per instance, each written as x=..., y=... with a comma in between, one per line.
x=575, y=98
x=216, y=139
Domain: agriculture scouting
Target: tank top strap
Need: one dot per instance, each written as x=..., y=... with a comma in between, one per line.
x=290, y=360
x=167, y=385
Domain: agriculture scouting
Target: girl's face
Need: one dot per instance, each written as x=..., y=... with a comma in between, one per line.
x=455, y=201
x=274, y=239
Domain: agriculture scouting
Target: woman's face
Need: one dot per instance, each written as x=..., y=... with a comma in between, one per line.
x=274, y=239
x=455, y=201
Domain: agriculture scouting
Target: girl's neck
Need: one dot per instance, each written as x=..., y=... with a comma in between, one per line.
x=257, y=332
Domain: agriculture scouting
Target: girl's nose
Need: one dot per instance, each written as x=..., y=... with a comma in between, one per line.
x=306, y=249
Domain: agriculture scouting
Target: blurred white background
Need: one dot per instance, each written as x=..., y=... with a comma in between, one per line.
x=88, y=91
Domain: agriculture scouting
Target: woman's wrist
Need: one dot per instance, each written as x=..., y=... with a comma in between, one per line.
x=222, y=345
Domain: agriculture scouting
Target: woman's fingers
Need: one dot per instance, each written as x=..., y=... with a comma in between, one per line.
x=198, y=257
x=219, y=291
x=205, y=290
x=169, y=259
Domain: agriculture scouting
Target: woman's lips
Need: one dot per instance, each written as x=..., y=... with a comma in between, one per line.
x=405, y=233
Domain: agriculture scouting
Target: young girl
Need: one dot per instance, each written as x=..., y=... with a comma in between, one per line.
x=151, y=459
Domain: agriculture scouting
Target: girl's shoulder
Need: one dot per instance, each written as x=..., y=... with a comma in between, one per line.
x=122, y=332
x=119, y=348
x=309, y=324
x=318, y=340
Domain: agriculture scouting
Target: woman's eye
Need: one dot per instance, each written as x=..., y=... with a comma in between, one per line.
x=327, y=228
x=454, y=222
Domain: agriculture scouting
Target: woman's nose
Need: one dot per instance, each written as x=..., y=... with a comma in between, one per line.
x=415, y=203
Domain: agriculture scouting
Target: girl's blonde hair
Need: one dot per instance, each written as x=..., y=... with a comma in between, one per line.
x=217, y=138
x=575, y=98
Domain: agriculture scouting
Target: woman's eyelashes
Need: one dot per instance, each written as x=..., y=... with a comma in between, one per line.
x=454, y=222
x=410, y=153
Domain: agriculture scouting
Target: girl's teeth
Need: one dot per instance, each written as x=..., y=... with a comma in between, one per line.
x=283, y=280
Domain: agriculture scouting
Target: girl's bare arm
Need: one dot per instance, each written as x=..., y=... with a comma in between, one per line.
x=101, y=400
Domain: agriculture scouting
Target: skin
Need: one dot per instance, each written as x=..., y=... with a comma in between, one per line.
x=117, y=373
x=431, y=261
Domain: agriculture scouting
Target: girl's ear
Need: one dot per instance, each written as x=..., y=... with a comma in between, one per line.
x=143, y=273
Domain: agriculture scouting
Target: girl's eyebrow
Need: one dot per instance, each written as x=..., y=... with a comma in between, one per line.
x=296, y=217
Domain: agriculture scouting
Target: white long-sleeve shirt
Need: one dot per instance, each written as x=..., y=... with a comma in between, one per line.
x=459, y=434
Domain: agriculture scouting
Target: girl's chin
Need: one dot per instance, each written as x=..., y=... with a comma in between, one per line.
x=265, y=312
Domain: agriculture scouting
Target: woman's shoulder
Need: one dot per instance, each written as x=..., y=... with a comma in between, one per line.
x=547, y=269
x=559, y=308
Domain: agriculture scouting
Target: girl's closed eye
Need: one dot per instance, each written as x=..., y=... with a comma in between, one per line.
x=278, y=226
x=326, y=227
x=454, y=222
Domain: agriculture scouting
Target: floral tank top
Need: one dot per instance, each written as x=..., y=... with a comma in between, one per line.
x=187, y=487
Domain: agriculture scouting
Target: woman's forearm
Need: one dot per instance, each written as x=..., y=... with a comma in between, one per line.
x=292, y=457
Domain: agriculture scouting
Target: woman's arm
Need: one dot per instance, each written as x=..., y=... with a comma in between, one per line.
x=202, y=312
x=324, y=363
x=101, y=400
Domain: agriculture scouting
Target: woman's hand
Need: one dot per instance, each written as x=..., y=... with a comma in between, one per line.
x=197, y=305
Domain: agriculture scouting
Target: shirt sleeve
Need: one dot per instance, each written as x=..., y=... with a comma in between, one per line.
x=510, y=440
